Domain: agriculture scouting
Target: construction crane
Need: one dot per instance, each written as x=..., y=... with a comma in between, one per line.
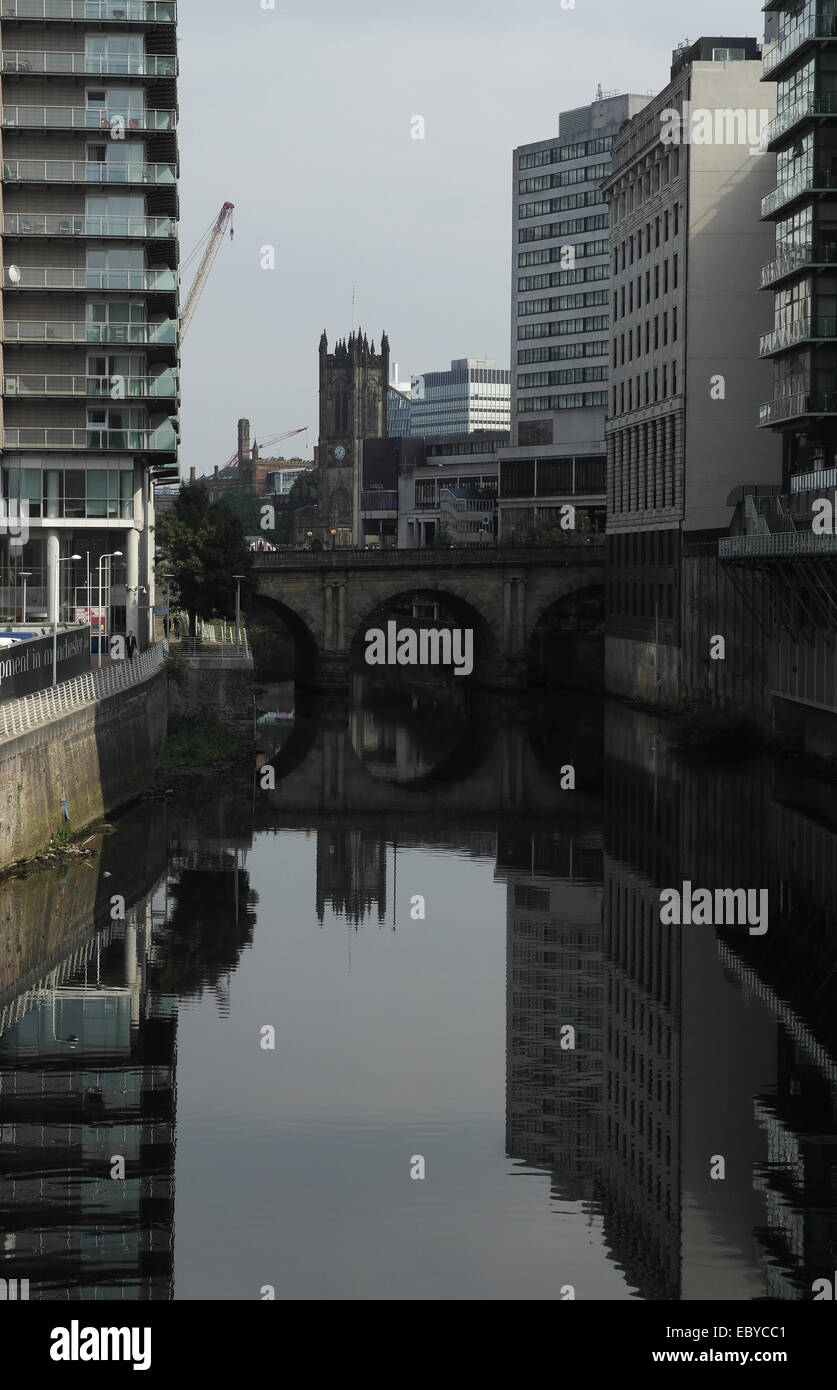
x=273, y=439
x=210, y=243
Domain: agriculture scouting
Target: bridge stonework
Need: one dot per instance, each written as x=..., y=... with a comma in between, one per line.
x=329, y=599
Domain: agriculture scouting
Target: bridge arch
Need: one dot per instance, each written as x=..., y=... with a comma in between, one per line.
x=302, y=623
x=463, y=607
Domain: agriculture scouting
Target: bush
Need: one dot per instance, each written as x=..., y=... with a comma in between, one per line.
x=199, y=740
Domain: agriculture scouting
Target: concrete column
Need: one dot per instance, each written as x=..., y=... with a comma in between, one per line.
x=147, y=562
x=52, y=504
x=52, y=550
x=132, y=581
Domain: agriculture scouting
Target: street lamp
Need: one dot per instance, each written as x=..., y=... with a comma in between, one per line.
x=66, y=560
x=239, y=578
x=24, y=575
x=310, y=535
x=333, y=537
x=114, y=555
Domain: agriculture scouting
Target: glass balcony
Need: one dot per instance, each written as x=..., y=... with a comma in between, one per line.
x=163, y=387
x=811, y=482
x=797, y=404
x=80, y=118
x=105, y=11
x=810, y=181
x=60, y=278
x=47, y=331
x=817, y=24
x=823, y=105
x=799, y=330
x=77, y=224
x=20, y=62
x=76, y=171
x=160, y=440
x=795, y=258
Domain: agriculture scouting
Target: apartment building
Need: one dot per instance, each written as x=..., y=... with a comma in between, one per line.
x=685, y=191
x=90, y=298
x=560, y=316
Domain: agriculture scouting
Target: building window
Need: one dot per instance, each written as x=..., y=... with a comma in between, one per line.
x=675, y=270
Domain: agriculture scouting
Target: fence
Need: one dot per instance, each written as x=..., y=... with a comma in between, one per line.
x=28, y=711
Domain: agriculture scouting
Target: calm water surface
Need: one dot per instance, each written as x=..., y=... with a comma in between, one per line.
x=461, y=961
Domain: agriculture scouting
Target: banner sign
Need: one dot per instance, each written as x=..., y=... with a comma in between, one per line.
x=26, y=667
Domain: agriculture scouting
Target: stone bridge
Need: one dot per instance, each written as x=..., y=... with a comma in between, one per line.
x=329, y=599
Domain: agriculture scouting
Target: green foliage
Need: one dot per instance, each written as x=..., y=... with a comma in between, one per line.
x=176, y=669
x=62, y=837
x=199, y=740
x=202, y=545
x=247, y=508
x=268, y=648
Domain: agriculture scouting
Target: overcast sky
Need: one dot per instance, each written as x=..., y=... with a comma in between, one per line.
x=302, y=115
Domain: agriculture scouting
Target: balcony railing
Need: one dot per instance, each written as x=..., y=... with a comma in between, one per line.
x=138, y=334
x=92, y=387
x=21, y=62
x=133, y=441
x=76, y=224
x=61, y=278
x=809, y=181
x=76, y=171
x=80, y=118
x=110, y=11
x=808, y=482
x=788, y=334
x=823, y=105
x=811, y=254
x=783, y=543
x=375, y=501
x=798, y=403
x=819, y=25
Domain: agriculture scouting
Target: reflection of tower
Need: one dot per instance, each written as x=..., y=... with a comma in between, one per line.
x=554, y=979
x=87, y=1073
x=351, y=874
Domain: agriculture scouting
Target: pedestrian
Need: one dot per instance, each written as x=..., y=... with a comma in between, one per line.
x=131, y=645
x=177, y=629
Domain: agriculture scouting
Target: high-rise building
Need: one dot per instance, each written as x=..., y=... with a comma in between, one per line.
x=560, y=319
x=473, y=395
x=90, y=297
x=688, y=176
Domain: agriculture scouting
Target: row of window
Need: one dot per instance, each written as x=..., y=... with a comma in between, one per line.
x=663, y=227
x=565, y=203
x=659, y=549
x=627, y=300
x=570, y=226
x=551, y=478
x=568, y=377
x=558, y=328
x=586, y=299
x=560, y=153
x=661, y=322
x=72, y=492
x=560, y=352
x=657, y=383
x=630, y=195
x=554, y=279
x=592, y=173
x=567, y=251
x=577, y=400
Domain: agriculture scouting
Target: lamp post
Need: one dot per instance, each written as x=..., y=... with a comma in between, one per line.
x=114, y=555
x=238, y=581
x=24, y=575
x=310, y=535
x=67, y=560
x=333, y=537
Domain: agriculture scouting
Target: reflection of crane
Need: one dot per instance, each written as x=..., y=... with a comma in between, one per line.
x=210, y=242
x=273, y=439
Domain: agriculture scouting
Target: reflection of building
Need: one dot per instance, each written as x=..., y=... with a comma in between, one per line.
x=87, y=1073
x=554, y=978
x=351, y=874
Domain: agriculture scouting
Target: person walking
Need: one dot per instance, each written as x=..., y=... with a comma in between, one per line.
x=131, y=644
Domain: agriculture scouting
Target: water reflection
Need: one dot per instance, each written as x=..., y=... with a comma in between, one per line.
x=533, y=1020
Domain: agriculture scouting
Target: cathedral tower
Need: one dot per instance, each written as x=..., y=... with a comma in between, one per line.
x=354, y=405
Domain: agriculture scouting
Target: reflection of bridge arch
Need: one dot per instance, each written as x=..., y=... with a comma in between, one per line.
x=326, y=598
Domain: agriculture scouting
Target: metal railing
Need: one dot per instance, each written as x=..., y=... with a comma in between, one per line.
x=76, y=224
x=822, y=24
x=812, y=253
x=806, y=182
x=92, y=387
x=787, y=334
x=798, y=403
x=807, y=482
x=89, y=64
x=41, y=331
x=825, y=104
x=133, y=440
x=783, y=543
x=114, y=11
x=86, y=118
x=70, y=278
x=86, y=171
x=26, y=712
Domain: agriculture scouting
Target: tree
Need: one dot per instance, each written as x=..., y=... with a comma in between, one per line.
x=247, y=507
x=202, y=546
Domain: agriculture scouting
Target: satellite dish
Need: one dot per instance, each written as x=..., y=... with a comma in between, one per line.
x=14, y=274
